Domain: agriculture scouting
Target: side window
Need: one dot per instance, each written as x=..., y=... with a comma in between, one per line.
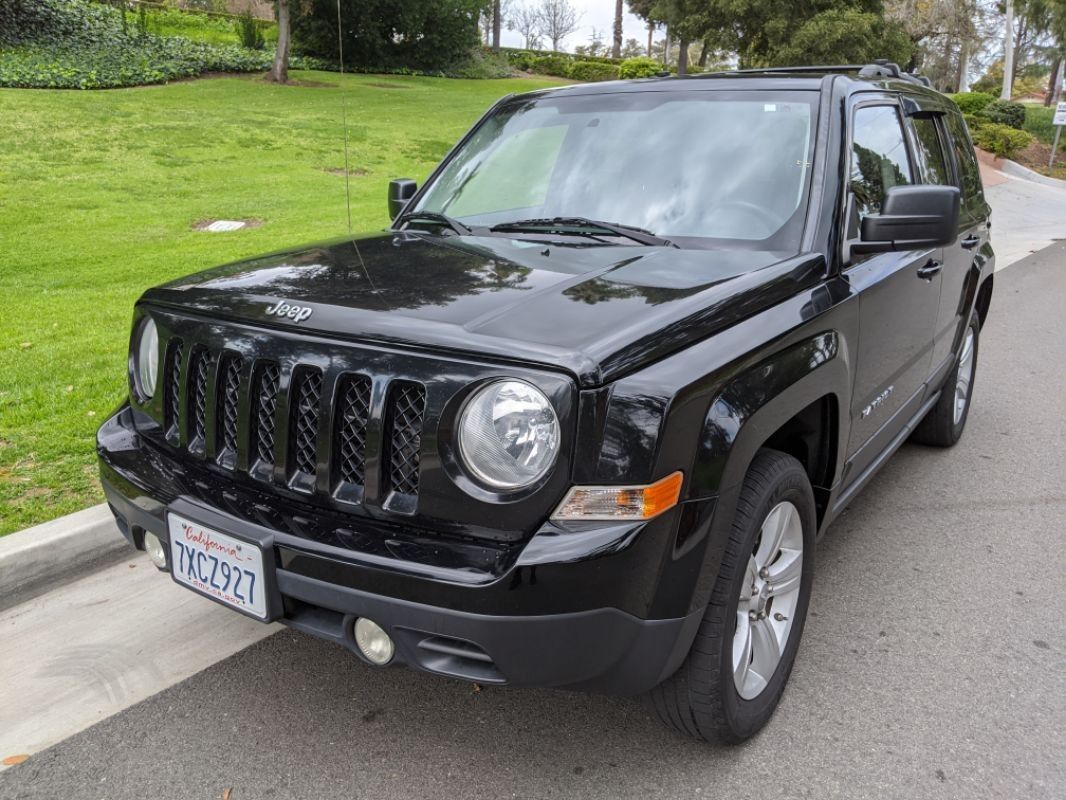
x=879, y=158
x=931, y=151
x=969, y=174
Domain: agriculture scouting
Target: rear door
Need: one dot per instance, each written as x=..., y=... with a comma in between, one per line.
x=899, y=292
x=973, y=232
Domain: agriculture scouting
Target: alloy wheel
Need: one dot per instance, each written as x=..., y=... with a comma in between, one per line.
x=768, y=599
x=965, y=376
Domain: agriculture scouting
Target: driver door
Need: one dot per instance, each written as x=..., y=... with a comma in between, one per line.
x=899, y=292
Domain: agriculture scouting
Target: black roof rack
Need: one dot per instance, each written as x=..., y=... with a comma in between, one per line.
x=880, y=68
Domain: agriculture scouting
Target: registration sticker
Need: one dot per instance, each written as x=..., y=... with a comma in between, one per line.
x=229, y=570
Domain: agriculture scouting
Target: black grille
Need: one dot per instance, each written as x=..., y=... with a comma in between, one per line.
x=307, y=395
x=172, y=407
x=229, y=385
x=408, y=404
x=198, y=369
x=353, y=412
x=321, y=433
x=265, y=406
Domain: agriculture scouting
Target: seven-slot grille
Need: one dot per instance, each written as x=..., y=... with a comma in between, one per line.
x=229, y=385
x=198, y=368
x=339, y=422
x=307, y=398
x=405, y=436
x=172, y=391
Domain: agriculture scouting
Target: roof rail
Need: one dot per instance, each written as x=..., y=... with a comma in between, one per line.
x=880, y=68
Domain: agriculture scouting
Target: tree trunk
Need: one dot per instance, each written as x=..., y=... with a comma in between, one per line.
x=963, y=82
x=496, y=14
x=1053, y=83
x=280, y=71
x=682, y=57
x=651, y=33
x=1008, y=52
x=616, y=51
x=705, y=52
x=1019, y=48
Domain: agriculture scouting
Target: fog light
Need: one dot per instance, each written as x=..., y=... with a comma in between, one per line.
x=155, y=550
x=373, y=642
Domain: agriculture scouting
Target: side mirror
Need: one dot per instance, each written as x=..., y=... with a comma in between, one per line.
x=912, y=218
x=400, y=191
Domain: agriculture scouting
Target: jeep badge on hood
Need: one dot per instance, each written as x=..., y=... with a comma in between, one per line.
x=295, y=313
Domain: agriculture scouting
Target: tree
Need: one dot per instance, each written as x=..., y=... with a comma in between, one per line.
x=632, y=49
x=558, y=19
x=279, y=72
x=526, y=21
x=616, y=50
x=497, y=14
x=387, y=34
x=594, y=48
x=1008, y=52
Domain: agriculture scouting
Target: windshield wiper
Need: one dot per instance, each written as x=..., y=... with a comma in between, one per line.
x=434, y=216
x=584, y=226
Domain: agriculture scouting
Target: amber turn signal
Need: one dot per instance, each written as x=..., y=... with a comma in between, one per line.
x=620, y=502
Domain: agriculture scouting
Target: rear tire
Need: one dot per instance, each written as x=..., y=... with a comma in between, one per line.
x=944, y=423
x=726, y=690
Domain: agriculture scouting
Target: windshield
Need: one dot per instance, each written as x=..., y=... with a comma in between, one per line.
x=703, y=168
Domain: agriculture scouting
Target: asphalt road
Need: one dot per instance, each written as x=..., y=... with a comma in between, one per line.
x=933, y=664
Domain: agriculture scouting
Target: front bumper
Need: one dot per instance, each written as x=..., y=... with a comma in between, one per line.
x=604, y=609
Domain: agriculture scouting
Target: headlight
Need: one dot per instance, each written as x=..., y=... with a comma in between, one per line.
x=509, y=435
x=147, y=359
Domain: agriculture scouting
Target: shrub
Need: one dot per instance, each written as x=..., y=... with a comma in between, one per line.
x=482, y=64
x=552, y=65
x=83, y=47
x=520, y=59
x=1002, y=140
x=639, y=67
x=1005, y=112
x=589, y=71
x=972, y=102
x=249, y=31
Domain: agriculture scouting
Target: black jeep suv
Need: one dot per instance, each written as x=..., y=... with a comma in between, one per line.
x=579, y=416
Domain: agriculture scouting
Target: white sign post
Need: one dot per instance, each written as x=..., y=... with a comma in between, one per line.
x=1058, y=122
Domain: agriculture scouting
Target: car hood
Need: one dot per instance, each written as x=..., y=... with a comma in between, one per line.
x=595, y=311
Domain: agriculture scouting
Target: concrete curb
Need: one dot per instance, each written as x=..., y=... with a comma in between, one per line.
x=1018, y=171
x=36, y=559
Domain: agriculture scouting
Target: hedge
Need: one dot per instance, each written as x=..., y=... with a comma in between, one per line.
x=589, y=71
x=639, y=67
x=72, y=44
x=972, y=102
x=1002, y=140
x=1005, y=112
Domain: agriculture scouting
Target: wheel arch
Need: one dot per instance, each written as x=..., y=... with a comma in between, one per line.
x=795, y=401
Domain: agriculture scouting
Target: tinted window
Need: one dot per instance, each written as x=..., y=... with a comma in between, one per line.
x=931, y=152
x=689, y=165
x=969, y=174
x=879, y=157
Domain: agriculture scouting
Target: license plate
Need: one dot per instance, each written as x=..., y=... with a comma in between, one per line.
x=220, y=566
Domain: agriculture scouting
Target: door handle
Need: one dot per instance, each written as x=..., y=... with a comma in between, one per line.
x=970, y=242
x=930, y=270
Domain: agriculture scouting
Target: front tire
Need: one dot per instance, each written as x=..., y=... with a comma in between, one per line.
x=733, y=677
x=943, y=425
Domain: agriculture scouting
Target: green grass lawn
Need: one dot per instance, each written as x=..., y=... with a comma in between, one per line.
x=99, y=192
x=199, y=27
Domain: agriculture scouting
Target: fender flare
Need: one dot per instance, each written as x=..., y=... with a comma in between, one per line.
x=746, y=412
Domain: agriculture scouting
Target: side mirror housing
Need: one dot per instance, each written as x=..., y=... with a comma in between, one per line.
x=400, y=191
x=912, y=218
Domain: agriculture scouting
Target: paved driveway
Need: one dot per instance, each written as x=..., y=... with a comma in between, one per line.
x=933, y=665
